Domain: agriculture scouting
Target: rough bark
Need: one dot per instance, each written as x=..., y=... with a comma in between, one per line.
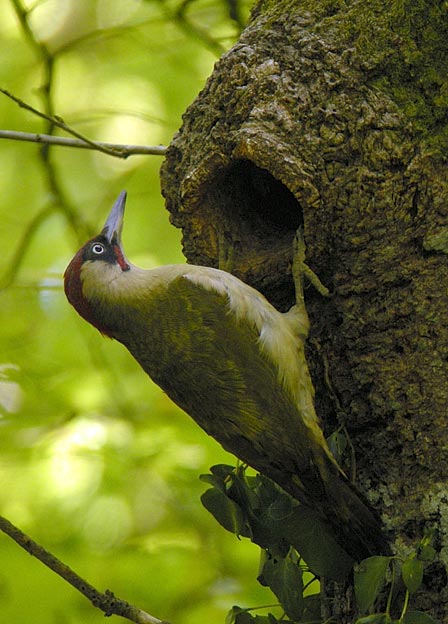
x=333, y=114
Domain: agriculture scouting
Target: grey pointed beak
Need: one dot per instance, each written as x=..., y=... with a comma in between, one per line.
x=114, y=224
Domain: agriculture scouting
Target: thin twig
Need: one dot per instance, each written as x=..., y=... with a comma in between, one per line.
x=235, y=13
x=188, y=26
x=46, y=89
x=114, y=149
x=42, y=52
x=179, y=17
x=22, y=247
x=22, y=16
x=58, y=122
x=106, y=602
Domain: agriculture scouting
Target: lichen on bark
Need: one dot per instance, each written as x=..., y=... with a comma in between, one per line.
x=334, y=114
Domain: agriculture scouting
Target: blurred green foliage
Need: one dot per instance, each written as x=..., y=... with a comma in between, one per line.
x=96, y=463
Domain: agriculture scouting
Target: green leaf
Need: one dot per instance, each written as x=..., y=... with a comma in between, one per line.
x=240, y=490
x=226, y=511
x=412, y=573
x=234, y=612
x=305, y=531
x=418, y=617
x=222, y=471
x=285, y=579
x=212, y=480
x=337, y=443
x=376, y=618
x=268, y=509
x=312, y=608
x=220, y=474
x=231, y=615
x=427, y=553
x=244, y=617
x=260, y=619
x=278, y=510
x=277, y=521
x=370, y=576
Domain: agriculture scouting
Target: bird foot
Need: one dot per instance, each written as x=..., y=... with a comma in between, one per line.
x=300, y=270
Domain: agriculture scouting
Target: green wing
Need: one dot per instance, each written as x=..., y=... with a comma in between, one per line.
x=210, y=364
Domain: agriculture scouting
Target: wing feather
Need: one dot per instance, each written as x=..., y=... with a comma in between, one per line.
x=212, y=363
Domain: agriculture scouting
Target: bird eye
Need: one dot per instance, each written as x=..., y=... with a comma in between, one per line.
x=97, y=248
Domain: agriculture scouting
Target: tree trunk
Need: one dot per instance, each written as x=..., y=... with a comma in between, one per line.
x=334, y=114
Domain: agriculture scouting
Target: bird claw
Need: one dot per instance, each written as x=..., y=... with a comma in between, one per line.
x=300, y=269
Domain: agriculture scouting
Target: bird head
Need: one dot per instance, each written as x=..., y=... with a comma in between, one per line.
x=98, y=265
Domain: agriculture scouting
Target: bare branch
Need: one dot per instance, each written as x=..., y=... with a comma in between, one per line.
x=58, y=122
x=113, y=149
x=106, y=602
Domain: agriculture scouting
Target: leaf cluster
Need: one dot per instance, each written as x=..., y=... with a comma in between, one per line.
x=256, y=508
x=375, y=574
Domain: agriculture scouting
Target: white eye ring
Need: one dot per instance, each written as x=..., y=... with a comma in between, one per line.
x=97, y=248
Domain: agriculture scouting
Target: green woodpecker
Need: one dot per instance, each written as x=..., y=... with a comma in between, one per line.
x=228, y=358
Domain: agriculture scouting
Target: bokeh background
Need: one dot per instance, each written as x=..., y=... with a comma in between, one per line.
x=96, y=463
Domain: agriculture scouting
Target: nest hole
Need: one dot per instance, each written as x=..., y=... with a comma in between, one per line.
x=256, y=216
x=255, y=204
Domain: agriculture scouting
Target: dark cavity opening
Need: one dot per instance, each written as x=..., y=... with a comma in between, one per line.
x=262, y=206
x=254, y=219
